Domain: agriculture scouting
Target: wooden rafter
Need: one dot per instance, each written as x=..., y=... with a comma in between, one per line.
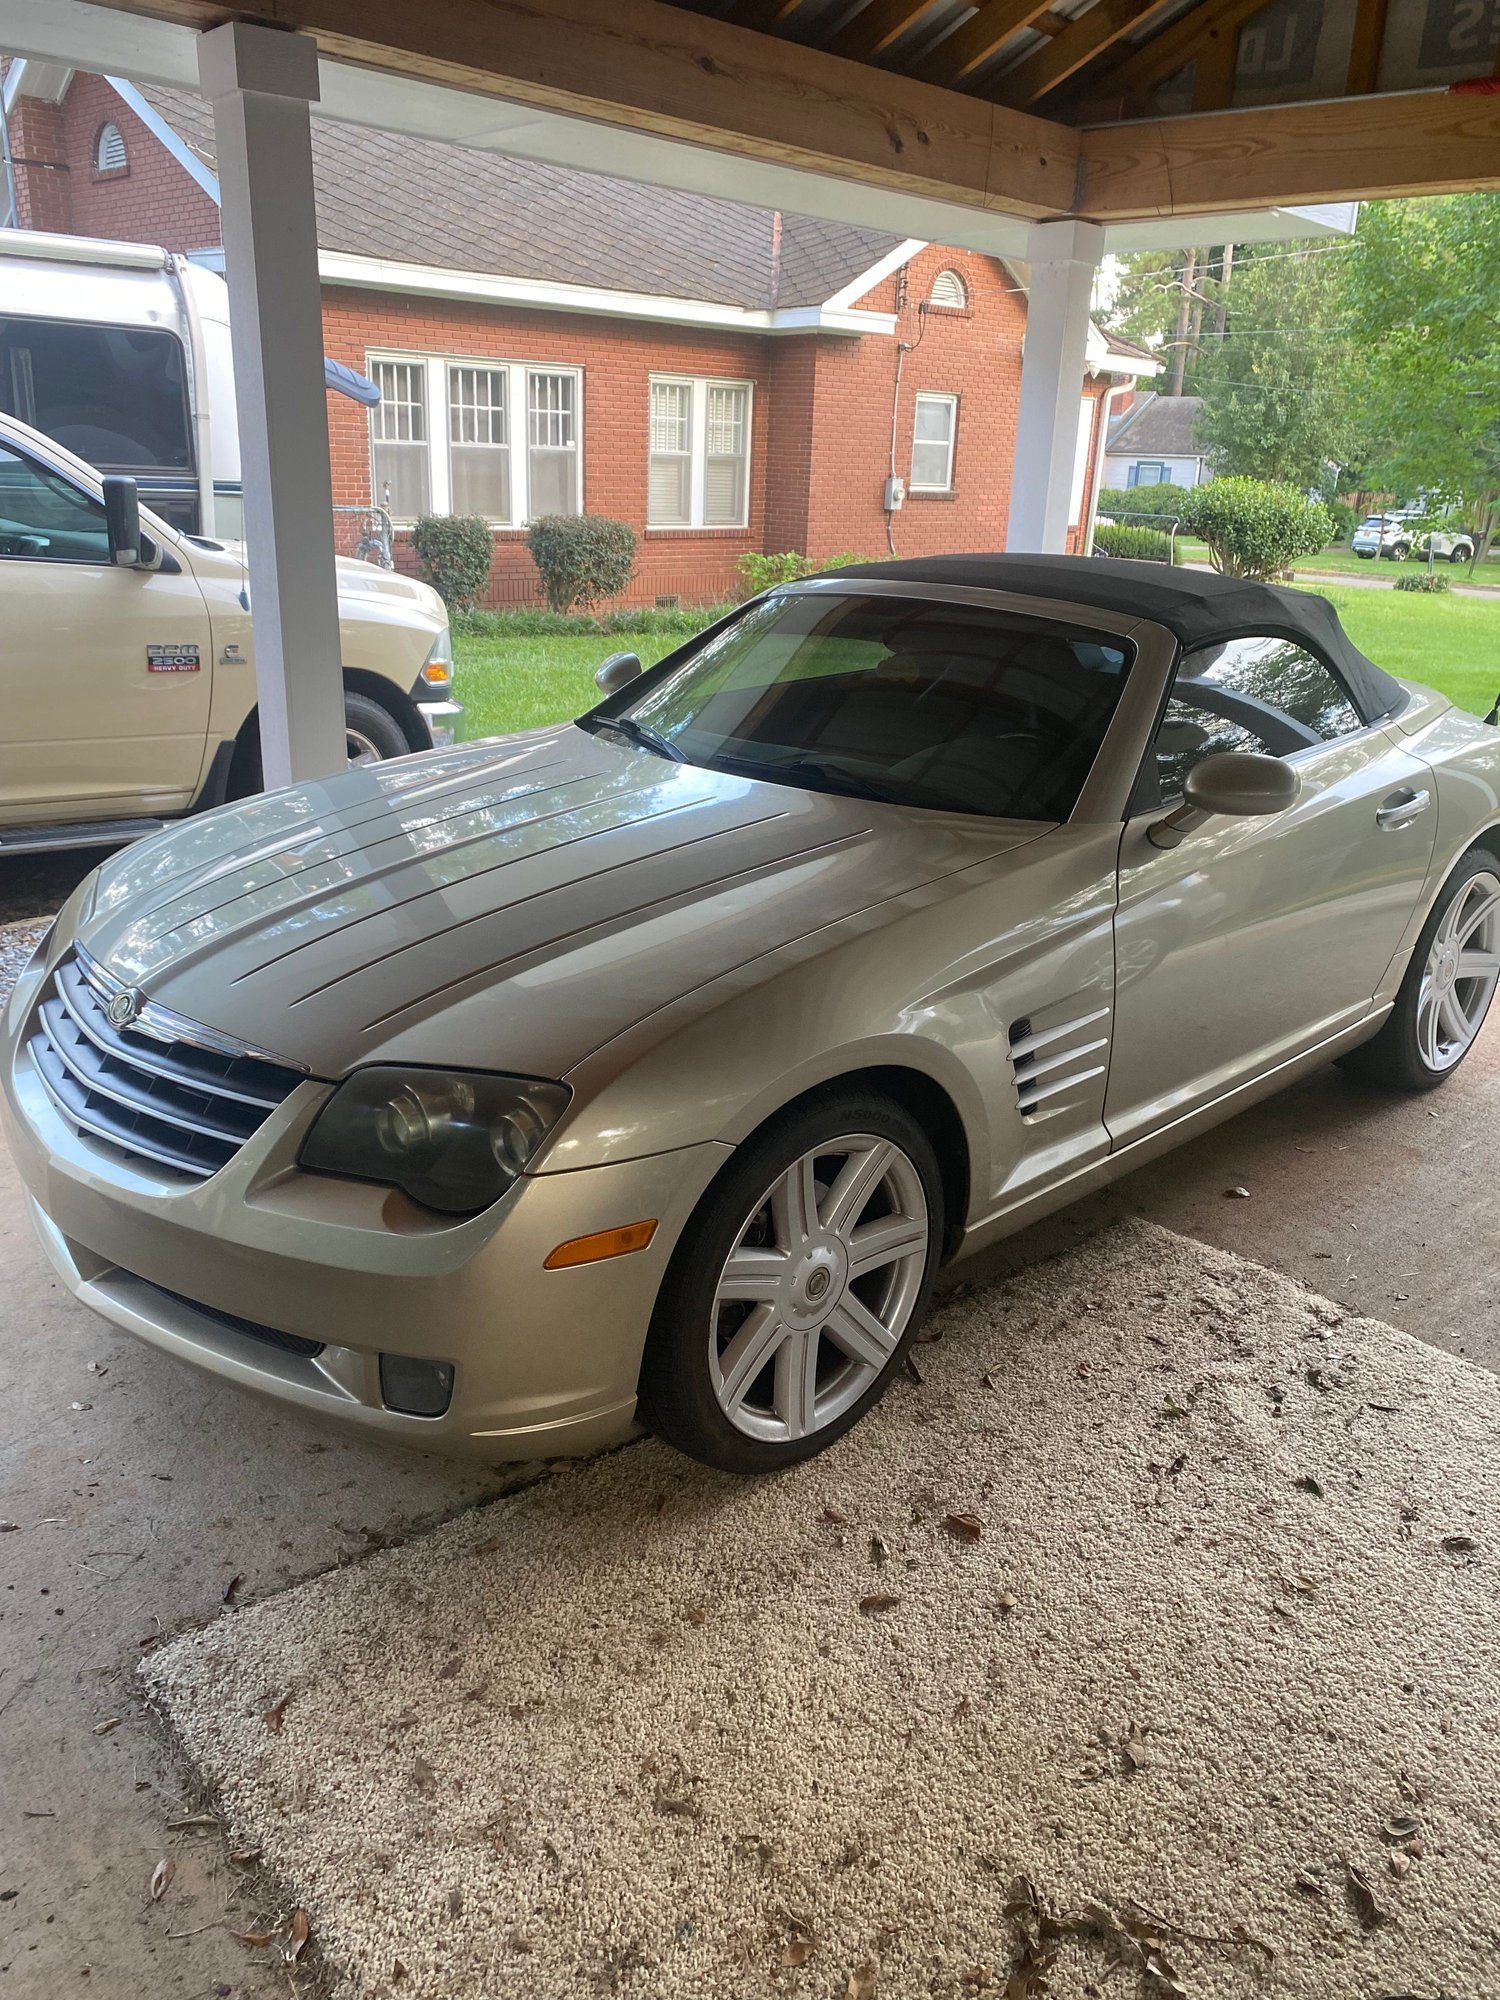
x=766, y=16
x=1364, y=49
x=981, y=36
x=1178, y=45
x=1074, y=43
x=1214, y=65
x=875, y=27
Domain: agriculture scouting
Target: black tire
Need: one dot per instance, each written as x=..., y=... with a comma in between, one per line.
x=1365, y=555
x=1393, y=1059
x=1401, y=551
x=677, y=1396
x=373, y=728
x=1462, y=554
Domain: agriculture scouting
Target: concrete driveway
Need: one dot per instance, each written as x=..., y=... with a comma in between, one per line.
x=136, y=1497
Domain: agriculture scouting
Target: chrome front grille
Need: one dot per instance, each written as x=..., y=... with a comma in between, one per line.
x=157, y=1089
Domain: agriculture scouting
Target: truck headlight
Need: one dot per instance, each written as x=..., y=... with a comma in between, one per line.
x=437, y=668
x=453, y=1140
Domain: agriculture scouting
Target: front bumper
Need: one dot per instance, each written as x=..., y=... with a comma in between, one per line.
x=545, y=1362
x=444, y=721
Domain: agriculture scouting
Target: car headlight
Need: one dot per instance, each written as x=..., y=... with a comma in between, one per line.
x=453, y=1140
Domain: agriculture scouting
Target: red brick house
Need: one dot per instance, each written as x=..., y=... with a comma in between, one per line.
x=722, y=377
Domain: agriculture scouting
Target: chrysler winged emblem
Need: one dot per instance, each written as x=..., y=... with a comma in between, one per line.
x=123, y=1006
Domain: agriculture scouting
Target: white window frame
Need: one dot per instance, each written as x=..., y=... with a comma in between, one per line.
x=518, y=407
x=698, y=452
x=934, y=396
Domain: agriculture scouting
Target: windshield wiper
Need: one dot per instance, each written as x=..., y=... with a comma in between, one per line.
x=641, y=734
x=811, y=771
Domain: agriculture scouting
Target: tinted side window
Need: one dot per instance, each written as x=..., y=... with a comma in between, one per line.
x=116, y=395
x=1265, y=695
x=44, y=517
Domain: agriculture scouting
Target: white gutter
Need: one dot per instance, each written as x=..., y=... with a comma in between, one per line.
x=381, y=274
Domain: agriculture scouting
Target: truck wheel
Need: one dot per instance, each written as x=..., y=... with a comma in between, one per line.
x=373, y=732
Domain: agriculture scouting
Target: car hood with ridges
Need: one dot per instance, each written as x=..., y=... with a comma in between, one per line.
x=509, y=905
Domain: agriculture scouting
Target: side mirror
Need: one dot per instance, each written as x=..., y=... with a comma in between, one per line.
x=1234, y=784
x=122, y=519
x=616, y=672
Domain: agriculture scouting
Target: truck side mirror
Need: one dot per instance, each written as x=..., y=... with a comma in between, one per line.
x=614, y=673
x=122, y=519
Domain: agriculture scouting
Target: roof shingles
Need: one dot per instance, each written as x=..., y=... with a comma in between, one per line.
x=460, y=208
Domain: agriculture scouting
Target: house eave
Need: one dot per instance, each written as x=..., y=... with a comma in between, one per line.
x=382, y=274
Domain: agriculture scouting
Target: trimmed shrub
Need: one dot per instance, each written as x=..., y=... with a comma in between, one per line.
x=1257, y=530
x=581, y=558
x=764, y=572
x=1136, y=544
x=1127, y=503
x=1345, y=519
x=454, y=553
x=1423, y=582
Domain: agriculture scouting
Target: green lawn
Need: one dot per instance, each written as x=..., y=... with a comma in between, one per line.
x=1452, y=643
x=1344, y=562
x=507, y=684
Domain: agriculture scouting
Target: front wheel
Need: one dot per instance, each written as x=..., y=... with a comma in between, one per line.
x=1448, y=987
x=1462, y=554
x=371, y=732
x=797, y=1287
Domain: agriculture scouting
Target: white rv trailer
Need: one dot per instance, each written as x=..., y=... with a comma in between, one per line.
x=120, y=352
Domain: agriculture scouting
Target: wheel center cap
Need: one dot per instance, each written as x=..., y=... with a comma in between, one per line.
x=1446, y=970
x=818, y=1282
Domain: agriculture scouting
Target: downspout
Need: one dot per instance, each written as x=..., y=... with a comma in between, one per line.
x=197, y=394
x=1095, y=485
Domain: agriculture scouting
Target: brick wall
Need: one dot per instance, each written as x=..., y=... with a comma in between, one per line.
x=617, y=358
x=151, y=199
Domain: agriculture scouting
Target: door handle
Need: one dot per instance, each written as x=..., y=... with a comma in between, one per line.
x=1401, y=808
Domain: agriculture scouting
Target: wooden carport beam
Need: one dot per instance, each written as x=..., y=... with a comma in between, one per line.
x=1356, y=148
x=646, y=67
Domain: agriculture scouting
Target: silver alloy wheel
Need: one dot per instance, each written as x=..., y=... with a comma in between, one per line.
x=1462, y=970
x=361, y=749
x=819, y=1287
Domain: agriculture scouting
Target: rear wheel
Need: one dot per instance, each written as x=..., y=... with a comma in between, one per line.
x=798, y=1285
x=1448, y=987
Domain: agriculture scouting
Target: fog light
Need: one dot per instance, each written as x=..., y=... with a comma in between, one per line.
x=415, y=1388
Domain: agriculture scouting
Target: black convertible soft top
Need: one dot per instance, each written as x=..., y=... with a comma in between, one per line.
x=1199, y=606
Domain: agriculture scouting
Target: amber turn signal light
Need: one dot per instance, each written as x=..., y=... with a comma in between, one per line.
x=604, y=1243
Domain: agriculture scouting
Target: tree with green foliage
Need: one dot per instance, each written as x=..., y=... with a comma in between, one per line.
x=1278, y=389
x=1422, y=303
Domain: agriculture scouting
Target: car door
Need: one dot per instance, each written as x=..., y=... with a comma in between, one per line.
x=106, y=670
x=1256, y=939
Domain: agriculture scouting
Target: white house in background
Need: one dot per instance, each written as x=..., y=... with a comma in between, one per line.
x=1152, y=444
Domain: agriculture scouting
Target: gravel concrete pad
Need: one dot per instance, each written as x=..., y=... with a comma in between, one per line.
x=1167, y=1587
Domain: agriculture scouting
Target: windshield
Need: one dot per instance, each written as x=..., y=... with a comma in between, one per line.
x=960, y=707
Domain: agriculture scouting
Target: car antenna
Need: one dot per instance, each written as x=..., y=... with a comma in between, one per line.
x=1494, y=715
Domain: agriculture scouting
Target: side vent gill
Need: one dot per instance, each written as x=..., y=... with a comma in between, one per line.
x=1048, y=1061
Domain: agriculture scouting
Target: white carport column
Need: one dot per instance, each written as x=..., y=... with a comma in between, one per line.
x=261, y=82
x=1064, y=258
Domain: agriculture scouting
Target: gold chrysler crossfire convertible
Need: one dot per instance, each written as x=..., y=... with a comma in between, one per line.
x=646, y=1068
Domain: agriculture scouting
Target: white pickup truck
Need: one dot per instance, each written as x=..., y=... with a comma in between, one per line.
x=129, y=691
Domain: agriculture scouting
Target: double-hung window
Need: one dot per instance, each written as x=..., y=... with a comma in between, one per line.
x=699, y=460
x=496, y=438
x=933, y=436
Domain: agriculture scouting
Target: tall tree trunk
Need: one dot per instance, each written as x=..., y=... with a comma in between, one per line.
x=1221, y=310
x=1184, y=307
